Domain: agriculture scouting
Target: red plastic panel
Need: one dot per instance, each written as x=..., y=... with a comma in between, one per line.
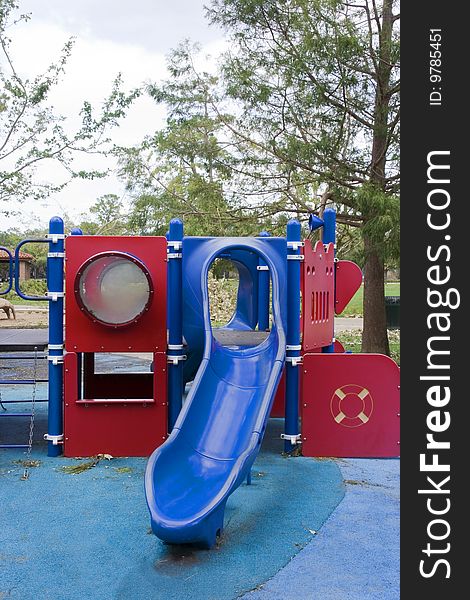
x=317, y=296
x=278, y=409
x=149, y=333
x=348, y=281
x=350, y=405
x=119, y=428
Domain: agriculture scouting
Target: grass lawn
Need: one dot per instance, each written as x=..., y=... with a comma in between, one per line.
x=354, y=308
x=352, y=340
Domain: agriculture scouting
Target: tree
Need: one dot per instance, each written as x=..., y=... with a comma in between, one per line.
x=32, y=133
x=107, y=217
x=317, y=83
x=183, y=169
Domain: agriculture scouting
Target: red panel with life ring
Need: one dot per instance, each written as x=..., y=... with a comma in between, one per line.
x=350, y=405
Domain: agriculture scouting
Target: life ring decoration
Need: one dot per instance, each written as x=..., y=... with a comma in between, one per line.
x=351, y=405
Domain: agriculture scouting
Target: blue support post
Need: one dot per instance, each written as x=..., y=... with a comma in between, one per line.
x=167, y=235
x=55, y=287
x=293, y=357
x=79, y=231
x=175, y=321
x=263, y=291
x=329, y=237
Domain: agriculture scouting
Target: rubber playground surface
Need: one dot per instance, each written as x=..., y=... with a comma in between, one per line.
x=304, y=529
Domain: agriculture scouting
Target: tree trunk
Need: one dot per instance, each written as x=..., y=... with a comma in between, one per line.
x=374, y=337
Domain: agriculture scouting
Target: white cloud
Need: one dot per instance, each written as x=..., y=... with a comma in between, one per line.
x=156, y=25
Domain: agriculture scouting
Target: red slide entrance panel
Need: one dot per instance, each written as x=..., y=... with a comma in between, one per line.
x=350, y=405
x=317, y=296
x=348, y=281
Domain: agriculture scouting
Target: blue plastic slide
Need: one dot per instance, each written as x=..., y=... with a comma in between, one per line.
x=218, y=433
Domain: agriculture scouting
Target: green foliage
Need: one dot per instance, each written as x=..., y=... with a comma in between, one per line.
x=34, y=287
x=107, y=217
x=317, y=86
x=188, y=169
x=181, y=170
x=382, y=225
x=289, y=125
x=30, y=287
x=352, y=339
x=30, y=130
x=305, y=74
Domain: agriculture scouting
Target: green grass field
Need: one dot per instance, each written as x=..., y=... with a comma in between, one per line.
x=352, y=340
x=354, y=308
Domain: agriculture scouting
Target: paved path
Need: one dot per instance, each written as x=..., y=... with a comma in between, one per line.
x=356, y=554
x=346, y=323
x=17, y=340
x=28, y=308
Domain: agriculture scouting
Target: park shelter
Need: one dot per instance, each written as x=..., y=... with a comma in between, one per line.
x=25, y=261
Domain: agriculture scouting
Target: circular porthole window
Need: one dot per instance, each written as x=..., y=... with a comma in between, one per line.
x=113, y=288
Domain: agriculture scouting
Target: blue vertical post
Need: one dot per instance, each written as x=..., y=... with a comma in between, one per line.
x=293, y=358
x=263, y=291
x=175, y=321
x=167, y=235
x=79, y=231
x=55, y=287
x=329, y=237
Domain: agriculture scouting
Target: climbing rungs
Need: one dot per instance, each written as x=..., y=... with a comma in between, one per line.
x=14, y=446
x=6, y=414
x=22, y=381
x=3, y=401
x=21, y=357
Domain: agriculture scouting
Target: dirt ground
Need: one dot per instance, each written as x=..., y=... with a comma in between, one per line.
x=26, y=318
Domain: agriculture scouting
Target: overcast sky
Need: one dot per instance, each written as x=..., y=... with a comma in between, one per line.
x=112, y=36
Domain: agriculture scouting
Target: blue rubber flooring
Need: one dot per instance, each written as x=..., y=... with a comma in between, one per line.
x=65, y=536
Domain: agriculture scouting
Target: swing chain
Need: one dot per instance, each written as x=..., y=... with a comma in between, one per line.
x=2, y=406
x=27, y=462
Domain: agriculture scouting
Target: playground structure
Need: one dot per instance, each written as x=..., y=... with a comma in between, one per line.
x=277, y=356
